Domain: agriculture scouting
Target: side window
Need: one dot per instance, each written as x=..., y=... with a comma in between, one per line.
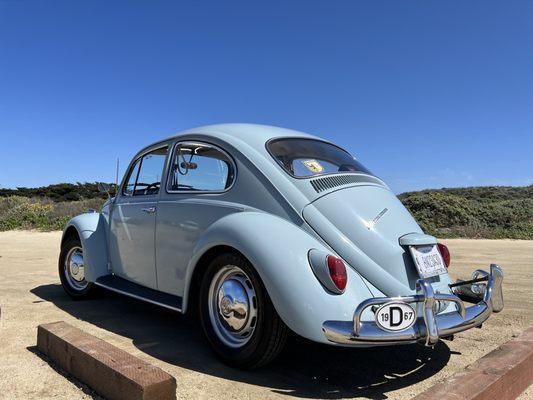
x=200, y=167
x=145, y=176
x=130, y=185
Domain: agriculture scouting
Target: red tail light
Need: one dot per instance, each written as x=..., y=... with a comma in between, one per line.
x=445, y=253
x=337, y=272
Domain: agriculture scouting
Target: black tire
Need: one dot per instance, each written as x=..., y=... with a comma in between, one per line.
x=70, y=289
x=269, y=334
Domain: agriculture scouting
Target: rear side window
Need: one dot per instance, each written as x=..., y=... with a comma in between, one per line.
x=303, y=158
x=145, y=175
x=200, y=167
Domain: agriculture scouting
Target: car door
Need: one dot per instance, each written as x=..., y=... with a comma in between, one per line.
x=132, y=228
x=198, y=193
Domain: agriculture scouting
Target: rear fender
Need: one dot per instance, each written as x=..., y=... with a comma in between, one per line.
x=278, y=250
x=91, y=229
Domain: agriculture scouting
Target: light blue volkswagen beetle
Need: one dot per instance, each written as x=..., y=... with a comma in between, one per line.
x=263, y=230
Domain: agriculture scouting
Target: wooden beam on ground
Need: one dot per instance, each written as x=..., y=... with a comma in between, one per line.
x=500, y=375
x=108, y=370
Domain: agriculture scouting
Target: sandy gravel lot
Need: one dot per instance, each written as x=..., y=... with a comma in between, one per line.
x=30, y=294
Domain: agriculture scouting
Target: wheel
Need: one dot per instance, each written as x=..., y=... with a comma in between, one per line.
x=237, y=314
x=72, y=271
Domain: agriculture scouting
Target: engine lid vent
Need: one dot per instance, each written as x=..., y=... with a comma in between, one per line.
x=330, y=182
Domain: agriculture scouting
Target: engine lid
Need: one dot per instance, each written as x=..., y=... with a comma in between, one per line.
x=364, y=225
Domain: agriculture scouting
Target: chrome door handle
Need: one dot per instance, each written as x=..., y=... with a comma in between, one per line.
x=148, y=210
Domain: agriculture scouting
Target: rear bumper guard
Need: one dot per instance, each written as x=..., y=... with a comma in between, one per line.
x=428, y=327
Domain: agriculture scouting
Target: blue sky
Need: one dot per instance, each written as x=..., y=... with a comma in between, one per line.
x=427, y=94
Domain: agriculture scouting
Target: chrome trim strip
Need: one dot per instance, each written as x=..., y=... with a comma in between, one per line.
x=206, y=201
x=137, y=297
x=428, y=327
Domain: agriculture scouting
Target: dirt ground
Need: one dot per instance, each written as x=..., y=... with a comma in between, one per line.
x=30, y=294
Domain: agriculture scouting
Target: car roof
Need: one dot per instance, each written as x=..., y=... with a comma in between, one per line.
x=256, y=132
x=255, y=135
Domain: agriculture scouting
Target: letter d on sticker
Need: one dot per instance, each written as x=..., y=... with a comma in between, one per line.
x=395, y=316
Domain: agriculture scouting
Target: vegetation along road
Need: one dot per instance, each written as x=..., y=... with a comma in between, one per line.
x=480, y=212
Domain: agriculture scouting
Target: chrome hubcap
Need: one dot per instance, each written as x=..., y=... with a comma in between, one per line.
x=232, y=306
x=74, y=269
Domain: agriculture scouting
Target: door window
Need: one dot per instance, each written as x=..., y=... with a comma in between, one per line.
x=200, y=167
x=145, y=175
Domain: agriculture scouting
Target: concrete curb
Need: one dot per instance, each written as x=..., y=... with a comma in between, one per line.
x=500, y=375
x=108, y=370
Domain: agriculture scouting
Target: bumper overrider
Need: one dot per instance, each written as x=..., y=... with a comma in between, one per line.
x=429, y=326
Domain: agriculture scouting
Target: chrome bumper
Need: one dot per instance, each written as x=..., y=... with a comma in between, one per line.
x=429, y=327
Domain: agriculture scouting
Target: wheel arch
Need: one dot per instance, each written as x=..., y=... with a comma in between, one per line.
x=70, y=232
x=278, y=250
x=193, y=288
x=90, y=228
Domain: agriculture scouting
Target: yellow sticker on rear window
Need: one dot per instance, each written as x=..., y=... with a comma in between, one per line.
x=313, y=165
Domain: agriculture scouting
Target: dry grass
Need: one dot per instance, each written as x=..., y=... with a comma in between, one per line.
x=43, y=214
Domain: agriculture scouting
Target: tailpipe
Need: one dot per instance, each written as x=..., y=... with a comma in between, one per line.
x=475, y=289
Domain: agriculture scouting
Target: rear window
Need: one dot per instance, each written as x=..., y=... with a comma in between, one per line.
x=309, y=157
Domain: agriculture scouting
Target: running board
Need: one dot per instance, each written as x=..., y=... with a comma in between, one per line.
x=125, y=287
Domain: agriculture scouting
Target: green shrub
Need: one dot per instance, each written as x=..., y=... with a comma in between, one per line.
x=479, y=212
x=58, y=192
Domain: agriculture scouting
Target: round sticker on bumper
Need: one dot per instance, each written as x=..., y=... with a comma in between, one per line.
x=395, y=316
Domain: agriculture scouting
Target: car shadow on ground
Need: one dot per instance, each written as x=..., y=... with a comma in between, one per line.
x=304, y=369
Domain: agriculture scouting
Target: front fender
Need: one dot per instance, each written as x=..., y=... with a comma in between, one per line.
x=91, y=229
x=278, y=250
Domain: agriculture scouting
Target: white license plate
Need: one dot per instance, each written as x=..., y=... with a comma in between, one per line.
x=395, y=316
x=428, y=260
